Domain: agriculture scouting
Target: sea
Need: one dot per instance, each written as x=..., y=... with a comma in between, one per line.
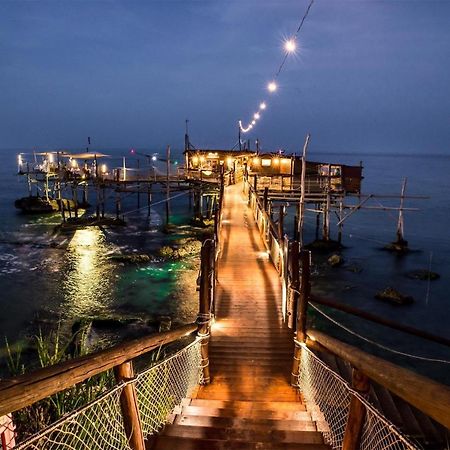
x=49, y=280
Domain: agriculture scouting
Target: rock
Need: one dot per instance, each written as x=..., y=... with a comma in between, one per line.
x=399, y=246
x=181, y=248
x=131, y=258
x=353, y=268
x=335, y=260
x=166, y=251
x=393, y=296
x=165, y=323
x=423, y=274
x=321, y=245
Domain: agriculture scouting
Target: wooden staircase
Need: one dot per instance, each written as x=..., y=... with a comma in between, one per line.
x=250, y=403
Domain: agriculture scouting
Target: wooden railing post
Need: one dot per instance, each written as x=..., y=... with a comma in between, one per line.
x=301, y=311
x=129, y=407
x=207, y=256
x=356, y=413
x=305, y=290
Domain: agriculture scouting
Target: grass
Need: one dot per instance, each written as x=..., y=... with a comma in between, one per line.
x=51, y=350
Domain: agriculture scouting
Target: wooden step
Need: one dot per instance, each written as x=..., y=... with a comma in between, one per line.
x=241, y=434
x=245, y=423
x=193, y=410
x=239, y=404
x=181, y=443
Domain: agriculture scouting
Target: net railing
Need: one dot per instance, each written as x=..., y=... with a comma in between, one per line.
x=327, y=396
x=99, y=424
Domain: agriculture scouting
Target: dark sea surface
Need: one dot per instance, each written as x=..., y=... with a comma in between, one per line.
x=41, y=284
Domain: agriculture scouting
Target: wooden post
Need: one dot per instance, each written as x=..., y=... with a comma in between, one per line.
x=168, y=185
x=340, y=225
x=138, y=186
x=294, y=283
x=303, y=296
x=301, y=206
x=207, y=256
x=266, y=199
x=281, y=223
x=129, y=407
x=356, y=413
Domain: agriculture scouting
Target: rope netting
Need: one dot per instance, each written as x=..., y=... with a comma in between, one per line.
x=328, y=397
x=162, y=387
x=99, y=424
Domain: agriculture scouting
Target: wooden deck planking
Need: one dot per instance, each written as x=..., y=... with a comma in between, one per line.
x=251, y=348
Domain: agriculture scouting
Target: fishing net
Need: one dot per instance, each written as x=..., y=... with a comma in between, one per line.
x=328, y=397
x=99, y=424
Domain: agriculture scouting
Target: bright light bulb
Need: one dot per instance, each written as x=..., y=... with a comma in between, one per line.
x=263, y=105
x=290, y=45
x=256, y=116
x=272, y=86
x=253, y=122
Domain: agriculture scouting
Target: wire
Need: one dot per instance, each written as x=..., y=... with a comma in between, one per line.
x=295, y=35
x=272, y=85
x=156, y=203
x=397, y=352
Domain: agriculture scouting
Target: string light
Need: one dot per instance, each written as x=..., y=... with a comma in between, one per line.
x=290, y=47
x=272, y=86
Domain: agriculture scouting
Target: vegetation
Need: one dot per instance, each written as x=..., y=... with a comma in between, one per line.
x=51, y=350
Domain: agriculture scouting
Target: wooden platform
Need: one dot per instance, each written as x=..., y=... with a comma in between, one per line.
x=249, y=403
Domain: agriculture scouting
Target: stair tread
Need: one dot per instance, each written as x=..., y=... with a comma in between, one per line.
x=245, y=423
x=264, y=405
x=170, y=443
x=241, y=434
x=245, y=412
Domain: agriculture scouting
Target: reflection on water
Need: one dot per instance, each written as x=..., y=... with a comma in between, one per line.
x=87, y=284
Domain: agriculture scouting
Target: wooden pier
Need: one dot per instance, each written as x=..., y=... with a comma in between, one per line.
x=250, y=402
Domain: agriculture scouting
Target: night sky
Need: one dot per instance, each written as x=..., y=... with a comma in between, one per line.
x=370, y=76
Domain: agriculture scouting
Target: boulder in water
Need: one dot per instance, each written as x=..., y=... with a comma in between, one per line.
x=423, y=274
x=136, y=258
x=335, y=260
x=393, y=296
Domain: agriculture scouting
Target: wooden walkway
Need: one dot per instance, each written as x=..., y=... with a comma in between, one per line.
x=249, y=403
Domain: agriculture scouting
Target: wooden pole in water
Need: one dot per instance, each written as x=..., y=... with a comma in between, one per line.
x=149, y=199
x=301, y=210
x=400, y=222
x=266, y=199
x=302, y=307
x=129, y=407
x=168, y=184
x=281, y=222
x=138, y=186
x=357, y=412
x=326, y=209
x=340, y=225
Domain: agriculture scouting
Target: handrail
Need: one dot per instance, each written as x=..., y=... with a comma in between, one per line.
x=380, y=320
x=430, y=397
x=24, y=390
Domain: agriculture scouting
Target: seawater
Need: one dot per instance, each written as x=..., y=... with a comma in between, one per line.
x=40, y=284
x=48, y=278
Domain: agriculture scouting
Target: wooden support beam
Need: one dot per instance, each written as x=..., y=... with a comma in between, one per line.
x=129, y=407
x=357, y=412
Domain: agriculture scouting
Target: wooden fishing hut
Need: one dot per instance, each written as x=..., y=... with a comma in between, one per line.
x=283, y=172
x=209, y=164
